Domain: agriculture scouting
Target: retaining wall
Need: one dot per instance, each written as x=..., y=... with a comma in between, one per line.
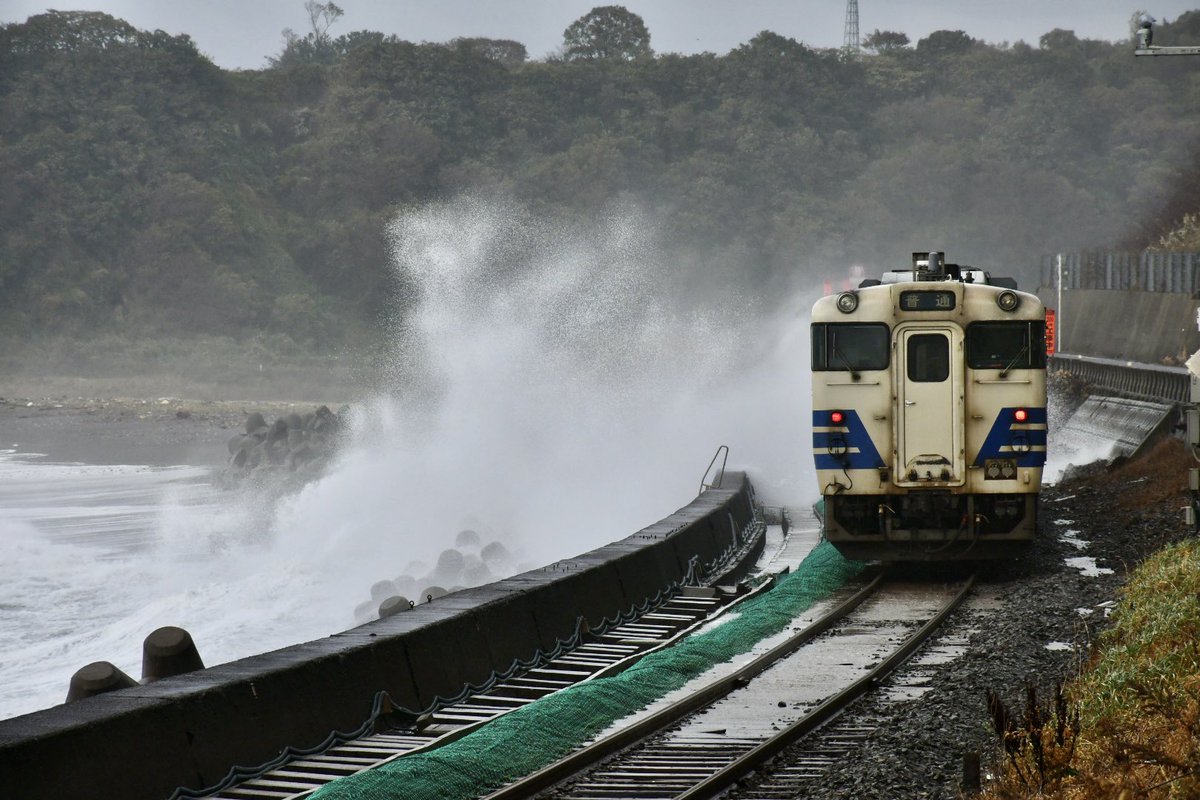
x=143, y=742
x=1147, y=327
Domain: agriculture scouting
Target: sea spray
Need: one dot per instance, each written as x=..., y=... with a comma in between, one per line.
x=545, y=379
x=547, y=388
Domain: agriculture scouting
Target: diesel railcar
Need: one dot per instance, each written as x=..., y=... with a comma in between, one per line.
x=929, y=414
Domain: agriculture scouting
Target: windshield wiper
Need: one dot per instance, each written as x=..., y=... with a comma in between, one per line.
x=853, y=372
x=1024, y=349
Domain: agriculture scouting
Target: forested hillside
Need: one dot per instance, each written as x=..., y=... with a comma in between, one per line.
x=145, y=192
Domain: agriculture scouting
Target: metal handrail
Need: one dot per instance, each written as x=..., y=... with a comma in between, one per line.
x=720, y=476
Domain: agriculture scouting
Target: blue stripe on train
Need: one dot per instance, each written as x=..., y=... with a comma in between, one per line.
x=1004, y=433
x=851, y=435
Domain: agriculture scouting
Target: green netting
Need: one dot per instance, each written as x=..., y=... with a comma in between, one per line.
x=531, y=737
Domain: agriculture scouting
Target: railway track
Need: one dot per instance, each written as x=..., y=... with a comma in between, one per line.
x=596, y=655
x=805, y=764
x=699, y=746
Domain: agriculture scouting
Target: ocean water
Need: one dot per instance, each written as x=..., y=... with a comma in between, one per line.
x=547, y=388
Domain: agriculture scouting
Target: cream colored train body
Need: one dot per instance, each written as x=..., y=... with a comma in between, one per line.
x=929, y=414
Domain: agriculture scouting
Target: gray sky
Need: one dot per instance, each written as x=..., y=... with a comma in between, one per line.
x=243, y=33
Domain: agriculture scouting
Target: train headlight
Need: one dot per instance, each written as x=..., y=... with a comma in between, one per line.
x=1008, y=300
x=847, y=302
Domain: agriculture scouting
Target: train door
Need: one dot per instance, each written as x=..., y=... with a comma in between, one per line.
x=929, y=412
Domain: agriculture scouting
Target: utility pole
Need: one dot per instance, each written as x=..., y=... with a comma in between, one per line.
x=1059, y=309
x=850, y=42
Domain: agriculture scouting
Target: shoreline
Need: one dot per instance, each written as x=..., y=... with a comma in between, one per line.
x=159, y=431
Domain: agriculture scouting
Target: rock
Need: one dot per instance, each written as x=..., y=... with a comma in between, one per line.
x=405, y=585
x=430, y=593
x=278, y=431
x=478, y=575
x=449, y=563
x=495, y=551
x=255, y=424
x=381, y=590
x=394, y=605
x=365, y=612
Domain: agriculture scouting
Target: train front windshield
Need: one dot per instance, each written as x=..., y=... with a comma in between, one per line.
x=1006, y=345
x=850, y=346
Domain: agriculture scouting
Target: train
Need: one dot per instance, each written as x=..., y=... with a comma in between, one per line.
x=929, y=414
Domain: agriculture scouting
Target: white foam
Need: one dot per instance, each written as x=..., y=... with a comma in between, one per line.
x=1064, y=451
x=547, y=388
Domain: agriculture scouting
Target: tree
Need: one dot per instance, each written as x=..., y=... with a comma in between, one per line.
x=506, y=51
x=1059, y=39
x=1183, y=31
x=320, y=17
x=886, y=41
x=607, y=32
x=941, y=43
x=316, y=44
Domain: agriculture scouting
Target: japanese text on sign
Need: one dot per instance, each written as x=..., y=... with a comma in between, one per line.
x=926, y=301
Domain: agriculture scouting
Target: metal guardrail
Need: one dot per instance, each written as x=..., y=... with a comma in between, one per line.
x=720, y=476
x=1143, y=271
x=1128, y=378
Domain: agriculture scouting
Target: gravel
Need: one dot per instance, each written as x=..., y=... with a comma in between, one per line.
x=1123, y=513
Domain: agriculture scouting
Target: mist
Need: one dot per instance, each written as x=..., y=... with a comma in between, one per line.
x=547, y=388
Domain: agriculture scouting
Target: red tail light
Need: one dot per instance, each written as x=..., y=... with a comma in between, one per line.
x=837, y=417
x=1020, y=415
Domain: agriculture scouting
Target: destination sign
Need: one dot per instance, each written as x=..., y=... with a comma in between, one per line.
x=926, y=301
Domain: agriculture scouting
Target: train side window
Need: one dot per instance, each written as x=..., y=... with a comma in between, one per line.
x=850, y=346
x=927, y=358
x=1006, y=345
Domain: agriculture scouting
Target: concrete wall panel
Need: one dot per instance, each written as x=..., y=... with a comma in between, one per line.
x=1148, y=327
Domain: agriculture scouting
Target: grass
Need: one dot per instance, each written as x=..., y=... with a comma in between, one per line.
x=1129, y=725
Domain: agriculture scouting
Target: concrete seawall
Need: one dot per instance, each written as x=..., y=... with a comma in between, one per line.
x=143, y=742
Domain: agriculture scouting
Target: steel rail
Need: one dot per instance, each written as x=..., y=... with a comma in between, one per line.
x=827, y=710
x=597, y=656
x=579, y=760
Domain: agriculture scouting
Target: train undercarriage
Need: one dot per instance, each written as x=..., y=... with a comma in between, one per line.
x=930, y=526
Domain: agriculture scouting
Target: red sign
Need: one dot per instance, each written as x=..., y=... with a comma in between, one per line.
x=1051, y=332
